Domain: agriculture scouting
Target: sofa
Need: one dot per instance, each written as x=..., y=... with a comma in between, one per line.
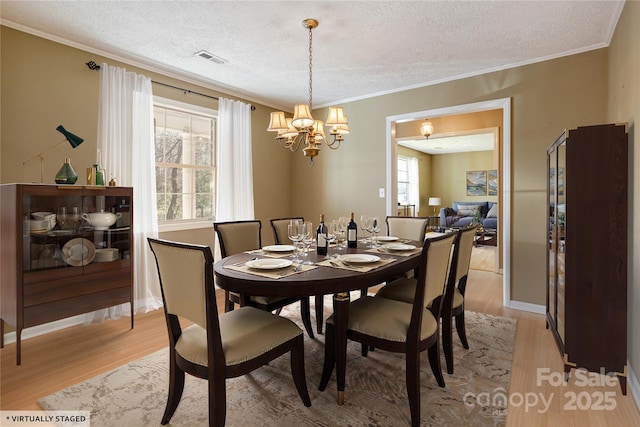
x=462, y=214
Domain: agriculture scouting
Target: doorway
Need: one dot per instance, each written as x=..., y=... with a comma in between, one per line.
x=504, y=199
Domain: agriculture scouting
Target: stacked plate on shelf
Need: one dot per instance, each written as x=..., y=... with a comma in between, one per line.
x=107, y=255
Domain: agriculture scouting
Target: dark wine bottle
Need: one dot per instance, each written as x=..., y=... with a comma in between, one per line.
x=321, y=238
x=352, y=233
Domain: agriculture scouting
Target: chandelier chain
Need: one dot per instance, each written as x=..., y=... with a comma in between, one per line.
x=310, y=68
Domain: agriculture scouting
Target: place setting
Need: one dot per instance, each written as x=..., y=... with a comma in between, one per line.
x=396, y=248
x=273, y=268
x=274, y=251
x=356, y=262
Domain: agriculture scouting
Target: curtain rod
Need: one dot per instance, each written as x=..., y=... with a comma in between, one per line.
x=93, y=66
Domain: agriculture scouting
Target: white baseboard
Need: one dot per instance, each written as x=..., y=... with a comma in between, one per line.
x=525, y=306
x=633, y=385
x=34, y=331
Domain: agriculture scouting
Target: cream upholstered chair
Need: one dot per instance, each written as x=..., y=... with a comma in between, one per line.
x=453, y=305
x=240, y=236
x=281, y=237
x=413, y=228
x=216, y=347
x=401, y=327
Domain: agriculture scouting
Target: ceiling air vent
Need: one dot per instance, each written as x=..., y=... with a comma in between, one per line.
x=210, y=57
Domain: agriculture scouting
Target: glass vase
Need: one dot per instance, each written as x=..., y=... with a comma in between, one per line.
x=66, y=174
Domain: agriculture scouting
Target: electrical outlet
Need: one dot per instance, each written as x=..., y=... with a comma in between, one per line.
x=381, y=192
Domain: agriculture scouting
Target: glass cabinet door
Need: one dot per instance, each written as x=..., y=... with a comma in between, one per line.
x=552, y=235
x=74, y=227
x=561, y=233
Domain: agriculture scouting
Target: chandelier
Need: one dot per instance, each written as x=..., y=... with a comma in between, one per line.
x=303, y=130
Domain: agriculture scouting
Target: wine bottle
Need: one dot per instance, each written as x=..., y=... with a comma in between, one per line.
x=321, y=238
x=352, y=233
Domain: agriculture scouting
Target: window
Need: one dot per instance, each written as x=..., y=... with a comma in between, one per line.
x=185, y=163
x=403, y=180
x=408, y=183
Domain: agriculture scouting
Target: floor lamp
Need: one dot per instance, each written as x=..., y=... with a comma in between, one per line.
x=435, y=202
x=74, y=141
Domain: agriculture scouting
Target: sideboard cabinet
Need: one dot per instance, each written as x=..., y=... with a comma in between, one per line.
x=57, y=263
x=587, y=248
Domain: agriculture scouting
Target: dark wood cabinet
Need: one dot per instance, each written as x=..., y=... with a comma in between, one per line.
x=587, y=248
x=57, y=264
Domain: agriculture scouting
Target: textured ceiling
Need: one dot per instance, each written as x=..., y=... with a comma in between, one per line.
x=360, y=48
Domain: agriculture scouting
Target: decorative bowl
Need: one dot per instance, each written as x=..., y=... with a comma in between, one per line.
x=101, y=220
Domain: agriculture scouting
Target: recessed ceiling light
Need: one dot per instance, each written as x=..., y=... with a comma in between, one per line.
x=210, y=57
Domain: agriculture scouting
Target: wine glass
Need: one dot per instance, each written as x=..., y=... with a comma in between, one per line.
x=331, y=237
x=364, y=225
x=307, y=240
x=342, y=233
x=62, y=217
x=293, y=231
x=375, y=229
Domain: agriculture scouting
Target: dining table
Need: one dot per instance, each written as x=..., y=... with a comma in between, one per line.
x=320, y=276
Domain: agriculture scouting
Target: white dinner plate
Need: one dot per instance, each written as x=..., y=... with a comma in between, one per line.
x=77, y=252
x=398, y=247
x=268, y=263
x=279, y=248
x=387, y=238
x=359, y=258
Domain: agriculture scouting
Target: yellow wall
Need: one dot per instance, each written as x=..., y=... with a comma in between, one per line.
x=623, y=106
x=51, y=85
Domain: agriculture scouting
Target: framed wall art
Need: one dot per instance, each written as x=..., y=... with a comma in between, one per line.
x=476, y=183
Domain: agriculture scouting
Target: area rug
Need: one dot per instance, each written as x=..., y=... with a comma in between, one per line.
x=134, y=395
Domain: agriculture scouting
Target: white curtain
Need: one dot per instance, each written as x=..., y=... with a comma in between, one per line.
x=127, y=152
x=234, y=178
x=414, y=183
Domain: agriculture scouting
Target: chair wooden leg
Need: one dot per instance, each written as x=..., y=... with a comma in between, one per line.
x=447, y=341
x=461, y=329
x=434, y=361
x=305, y=313
x=297, y=370
x=413, y=385
x=228, y=304
x=364, y=350
x=329, y=357
x=217, y=401
x=319, y=313
x=176, y=386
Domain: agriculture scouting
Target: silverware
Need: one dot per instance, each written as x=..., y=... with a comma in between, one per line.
x=241, y=263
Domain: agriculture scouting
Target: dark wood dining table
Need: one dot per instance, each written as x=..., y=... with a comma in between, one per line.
x=319, y=281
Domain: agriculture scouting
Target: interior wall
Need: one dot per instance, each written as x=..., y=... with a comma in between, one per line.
x=450, y=175
x=547, y=97
x=45, y=84
x=623, y=106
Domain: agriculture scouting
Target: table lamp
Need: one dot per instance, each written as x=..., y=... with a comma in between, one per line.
x=74, y=141
x=435, y=202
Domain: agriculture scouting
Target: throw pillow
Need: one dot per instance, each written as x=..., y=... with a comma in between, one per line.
x=493, y=212
x=468, y=210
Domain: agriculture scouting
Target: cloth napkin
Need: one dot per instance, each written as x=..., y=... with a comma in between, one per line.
x=336, y=263
x=271, y=274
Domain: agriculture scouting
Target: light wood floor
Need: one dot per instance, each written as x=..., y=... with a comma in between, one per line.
x=59, y=359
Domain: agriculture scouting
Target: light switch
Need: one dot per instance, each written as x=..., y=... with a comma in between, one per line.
x=381, y=192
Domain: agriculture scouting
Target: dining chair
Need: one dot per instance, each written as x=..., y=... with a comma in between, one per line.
x=400, y=327
x=216, y=346
x=412, y=228
x=281, y=237
x=453, y=304
x=240, y=236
